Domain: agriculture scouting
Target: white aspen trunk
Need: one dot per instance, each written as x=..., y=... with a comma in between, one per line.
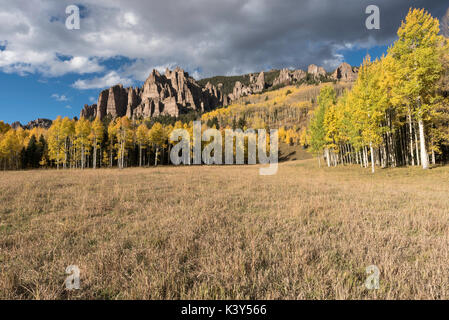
x=372, y=156
x=57, y=161
x=82, y=157
x=433, y=158
x=94, y=164
x=378, y=161
x=155, y=156
x=327, y=157
x=365, y=158
x=348, y=154
x=418, y=159
x=119, y=157
x=411, y=138
x=65, y=154
x=123, y=155
x=393, y=149
x=140, y=155
x=422, y=139
x=381, y=157
x=319, y=162
x=351, y=155
x=402, y=135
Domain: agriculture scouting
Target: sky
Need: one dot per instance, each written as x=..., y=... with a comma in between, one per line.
x=47, y=70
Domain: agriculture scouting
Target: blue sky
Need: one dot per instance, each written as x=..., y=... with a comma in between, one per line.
x=47, y=70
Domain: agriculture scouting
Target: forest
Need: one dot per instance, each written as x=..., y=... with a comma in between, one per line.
x=396, y=114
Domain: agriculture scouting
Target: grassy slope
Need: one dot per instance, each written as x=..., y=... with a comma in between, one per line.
x=303, y=98
x=225, y=232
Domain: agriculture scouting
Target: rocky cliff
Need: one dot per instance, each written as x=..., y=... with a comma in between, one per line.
x=176, y=92
x=172, y=93
x=256, y=85
x=345, y=73
x=316, y=71
x=287, y=76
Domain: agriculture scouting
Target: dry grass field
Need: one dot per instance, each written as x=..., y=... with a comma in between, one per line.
x=225, y=233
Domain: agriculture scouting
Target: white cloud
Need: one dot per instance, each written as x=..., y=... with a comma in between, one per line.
x=110, y=79
x=141, y=69
x=334, y=62
x=58, y=97
x=130, y=19
x=68, y=107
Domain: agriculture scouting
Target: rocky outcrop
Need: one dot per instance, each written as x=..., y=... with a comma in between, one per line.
x=172, y=93
x=89, y=112
x=284, y=77
x=133, y=101
x=299, y=75
x=16, y=125
x=316, y=71
x=117, y=101
x=259, y=86
x=102, y=104
x=287, y=77
x=176, y=92
x=39, y=123
x=345, y=73
x=256, y=85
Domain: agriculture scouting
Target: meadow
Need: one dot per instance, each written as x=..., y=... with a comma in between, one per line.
x=224, y=232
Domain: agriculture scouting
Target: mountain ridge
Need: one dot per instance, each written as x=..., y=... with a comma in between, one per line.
x=176, y=92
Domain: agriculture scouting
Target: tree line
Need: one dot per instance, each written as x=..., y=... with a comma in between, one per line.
x=395, y=114
x=80, y=144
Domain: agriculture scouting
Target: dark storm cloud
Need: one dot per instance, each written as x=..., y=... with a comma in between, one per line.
x=209, y=37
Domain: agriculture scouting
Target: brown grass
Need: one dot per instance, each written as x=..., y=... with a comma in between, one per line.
x=225, y=233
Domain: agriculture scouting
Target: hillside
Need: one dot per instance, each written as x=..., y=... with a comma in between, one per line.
x=288, y=106
x=229, y=81
x=176, y=92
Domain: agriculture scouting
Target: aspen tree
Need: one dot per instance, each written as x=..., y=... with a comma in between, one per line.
x=96, y=136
